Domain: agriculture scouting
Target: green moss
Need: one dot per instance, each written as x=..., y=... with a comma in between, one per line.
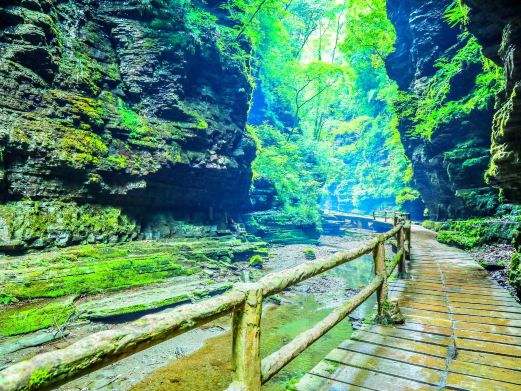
x=37, y=316
x=89, y=269
x=38, y=377
x=256, y=261
x=514, y=275
x=42, y=224
x=94, y=277
x=141, y=132
x=475, y=232
x=118, y=161
x=82, y=148
x=309, y=253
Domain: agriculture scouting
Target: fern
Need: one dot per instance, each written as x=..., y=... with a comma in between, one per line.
x=457, y=14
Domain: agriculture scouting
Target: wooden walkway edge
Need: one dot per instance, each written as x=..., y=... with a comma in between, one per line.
x=462, y=332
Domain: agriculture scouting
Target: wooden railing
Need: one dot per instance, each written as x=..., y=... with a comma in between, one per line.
x=244, y=301
x=391, y=215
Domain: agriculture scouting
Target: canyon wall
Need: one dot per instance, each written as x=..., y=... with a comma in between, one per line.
x=497, y=25
x=449, y=166
x=123, y=107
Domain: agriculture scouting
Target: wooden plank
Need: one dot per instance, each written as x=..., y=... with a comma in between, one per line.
x=489, y=328
x=483, y=336
x=515, y=309
x=417, y=336
x=464, y=382
x=444, y=331
x=489, y=347
x=429, y=321
x=425, y=313
x=449, y=286
x=485, y=371
x=493, y=360
x=418, y=359
x=460, y=310
x=312, y=382
x=398, y=343
x=385, y=365
x=488, y=320
x=365, y=378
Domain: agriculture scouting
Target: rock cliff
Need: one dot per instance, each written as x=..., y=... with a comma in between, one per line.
x=449, y=165
x=135, y=104
x=497, y=25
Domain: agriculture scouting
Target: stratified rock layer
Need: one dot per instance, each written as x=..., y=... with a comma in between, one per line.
x=122, y=103
x=497, y=25
x=449, y=168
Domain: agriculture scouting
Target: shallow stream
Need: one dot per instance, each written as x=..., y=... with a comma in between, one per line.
x=209, y=368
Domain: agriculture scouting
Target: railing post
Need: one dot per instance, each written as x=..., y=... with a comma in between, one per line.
x=402, y=272
x=246, y=362
x=395, y=220
x=408, y=240
x=380, y=270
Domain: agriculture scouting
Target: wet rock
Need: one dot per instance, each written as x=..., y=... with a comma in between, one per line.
x=449, y=167
x=497, y=25
x=113, y=103
x=391, y=314
x=144, y=301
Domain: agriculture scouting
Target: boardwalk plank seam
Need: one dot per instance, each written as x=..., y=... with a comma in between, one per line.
x=450, y=303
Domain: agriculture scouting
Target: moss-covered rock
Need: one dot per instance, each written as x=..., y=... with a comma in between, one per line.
x=123, y=103
x=32, y=224
x=276, y=226
x=475, y=232
x=35, y=316
x=514, y=276
x=90, y=269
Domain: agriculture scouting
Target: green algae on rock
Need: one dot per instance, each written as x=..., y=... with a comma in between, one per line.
x=35, y=316
x=101, y=105
x=33, y=224
x=124, y=303
x=90, y=269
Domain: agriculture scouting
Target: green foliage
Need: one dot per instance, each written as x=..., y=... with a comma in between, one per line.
x=433, y=106
x=475, y=232
x=296, y=168
x=328, y=103
x=38, y=377
x=432, y=225
x=140, y=131
x=457, y=13
x=514, y=275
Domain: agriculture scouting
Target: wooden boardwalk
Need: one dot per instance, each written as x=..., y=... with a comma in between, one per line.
x=462, y=332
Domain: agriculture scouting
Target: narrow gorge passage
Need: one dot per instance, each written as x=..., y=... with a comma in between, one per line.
x=186, y=188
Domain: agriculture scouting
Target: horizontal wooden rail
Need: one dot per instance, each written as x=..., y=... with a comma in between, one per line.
x=389, y=213
x=276, y=361
x=105, y=347
x=51, y=369
x=277, y=282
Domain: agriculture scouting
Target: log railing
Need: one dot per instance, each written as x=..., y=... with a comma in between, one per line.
x=390, y=215
x=244, y=301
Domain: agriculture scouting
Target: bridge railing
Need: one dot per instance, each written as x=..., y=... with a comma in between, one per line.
x=390, y=215
x=244, y=301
